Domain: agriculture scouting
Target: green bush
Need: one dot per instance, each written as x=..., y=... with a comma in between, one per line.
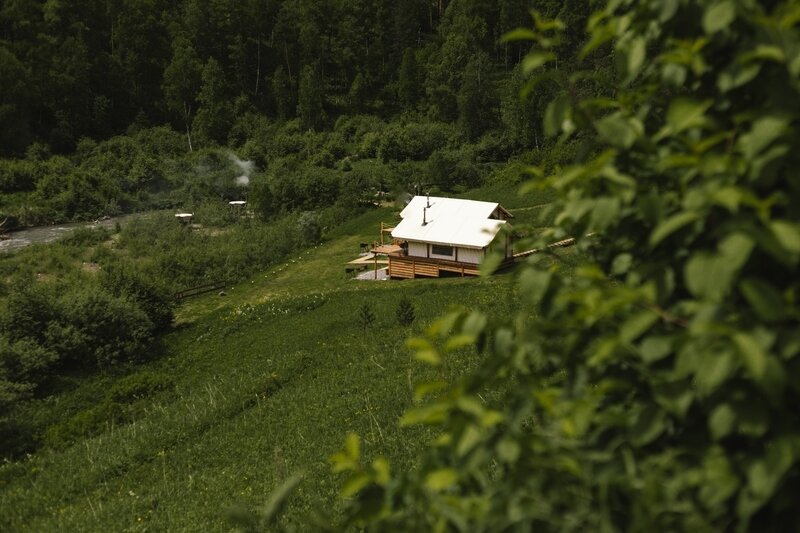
x=98, y=330
x=309, y=228
x=415, y=141
x=82, y=237
x=448, y=169
x=150, y=294
x=17, y=175
x=27, y=311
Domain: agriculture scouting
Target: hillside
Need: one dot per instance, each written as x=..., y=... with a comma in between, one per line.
x=255, y=386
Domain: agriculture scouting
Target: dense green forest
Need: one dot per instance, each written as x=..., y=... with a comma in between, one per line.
x=645, y=379
x=111, y=107
x=97, y=69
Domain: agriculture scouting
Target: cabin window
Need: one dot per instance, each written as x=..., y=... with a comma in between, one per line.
x=438, y=249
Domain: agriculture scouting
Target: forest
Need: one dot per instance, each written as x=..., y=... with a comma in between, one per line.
x=111, y=107
x=96, y=69
x=644, y=379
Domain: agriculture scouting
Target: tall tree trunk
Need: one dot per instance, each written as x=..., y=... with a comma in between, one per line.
x=187, y=118
x=258, y=67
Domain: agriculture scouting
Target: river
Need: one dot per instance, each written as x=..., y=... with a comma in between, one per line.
x=15, y=240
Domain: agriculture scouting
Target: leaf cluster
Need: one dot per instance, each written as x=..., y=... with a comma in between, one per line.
x=653, y=386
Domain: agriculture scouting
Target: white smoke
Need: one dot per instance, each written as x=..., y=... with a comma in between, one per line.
x=246, y=167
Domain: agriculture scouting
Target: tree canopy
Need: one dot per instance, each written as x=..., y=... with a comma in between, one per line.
x=74, y=69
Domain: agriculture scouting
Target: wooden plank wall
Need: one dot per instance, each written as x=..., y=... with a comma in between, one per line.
x=408, y=268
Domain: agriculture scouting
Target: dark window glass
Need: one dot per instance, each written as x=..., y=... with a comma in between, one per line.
x=437, y=249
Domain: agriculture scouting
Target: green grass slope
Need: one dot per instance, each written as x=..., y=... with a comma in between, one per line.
x=256, y=386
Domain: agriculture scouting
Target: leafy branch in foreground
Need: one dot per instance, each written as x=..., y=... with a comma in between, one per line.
x=655, y=386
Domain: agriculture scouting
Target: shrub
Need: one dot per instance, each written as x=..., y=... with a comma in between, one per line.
x=448, y=169
x=415, y=141
x=98, y=330
x=17, y=175
x=82, y=237
x=27, y=311
x=308, y=225
x=25, y=362
x=150, y=295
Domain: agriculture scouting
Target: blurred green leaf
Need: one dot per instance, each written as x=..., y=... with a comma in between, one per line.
x=634, y=54
x=710, y=275
x=382, y=471
x=279, y=498
x=713, y=369
x=430, y=357
x=508, y=450
x=754, y=357
x=617, y=130
x=470, y=437
x=490, y=264
x=788, y=235
x=555, y=114
x=536, y=60
x=456, y=342
x=429, y=414
x=354, y=485
x=763, y=298
x=533, y=284
x=719, y=480
x=519, y=34
x=671, y=225
x=721, y=422
x=441, y=479
x=719, y=16
x=650, y=423
x=424, y=389
x=764, y=132
x=637, y=325
x=685, y=113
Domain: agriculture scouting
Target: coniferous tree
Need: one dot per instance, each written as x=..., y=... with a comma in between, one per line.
x=309, y=99
x=282, y=93
x=408, y=84
x=215, y=115
x=182, y=83
x=357, y=95
x=405, y=312
x=14, y=118
x=474, y=98
x=519, y=117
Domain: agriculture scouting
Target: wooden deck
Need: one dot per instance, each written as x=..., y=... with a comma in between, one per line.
x=409, y=267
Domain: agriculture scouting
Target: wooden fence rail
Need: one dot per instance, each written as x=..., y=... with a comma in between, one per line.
x=199, y=289
x=559, y=244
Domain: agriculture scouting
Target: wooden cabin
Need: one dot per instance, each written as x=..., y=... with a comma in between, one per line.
x=446, y=236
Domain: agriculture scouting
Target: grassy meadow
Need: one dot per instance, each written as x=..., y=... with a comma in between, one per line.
x=254, y=386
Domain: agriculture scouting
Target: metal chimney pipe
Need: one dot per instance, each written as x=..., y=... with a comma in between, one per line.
x=424, y=216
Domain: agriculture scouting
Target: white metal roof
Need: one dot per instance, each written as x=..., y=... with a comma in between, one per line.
x=449, y=221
